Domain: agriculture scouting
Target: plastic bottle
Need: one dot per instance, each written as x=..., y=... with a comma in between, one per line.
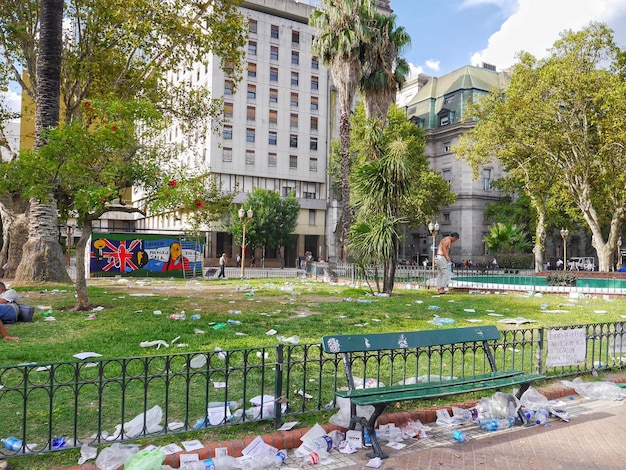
x=471, y=414
x=540, y=416
x=460, y=436
x=195, y=317
x=225, y=462
x=322, y=443
x=12, y=443
x=259, y=463
x=492, y=424
x=528, y=416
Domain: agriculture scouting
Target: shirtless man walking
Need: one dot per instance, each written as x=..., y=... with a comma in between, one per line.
x=442, y=262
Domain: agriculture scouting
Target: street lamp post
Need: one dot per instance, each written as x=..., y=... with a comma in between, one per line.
x=564, y=235
x=434, y=230
x=70, y=234
x=244, y=223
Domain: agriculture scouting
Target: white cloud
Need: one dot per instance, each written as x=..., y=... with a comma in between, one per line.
x=11, y=100
x=433, y=64
x=414, y=71
x=536, y=25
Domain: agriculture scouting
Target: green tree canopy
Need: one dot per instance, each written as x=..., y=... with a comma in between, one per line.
x=273, y=222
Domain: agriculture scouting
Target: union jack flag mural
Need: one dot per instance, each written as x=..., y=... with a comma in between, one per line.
x=133, y=254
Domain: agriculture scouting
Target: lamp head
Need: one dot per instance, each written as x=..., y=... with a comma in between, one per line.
x=242, y=213
x=249, y=213
x=431, y=227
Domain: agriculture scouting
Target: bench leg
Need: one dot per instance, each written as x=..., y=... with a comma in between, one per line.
x=370, y=424
x=518, y=395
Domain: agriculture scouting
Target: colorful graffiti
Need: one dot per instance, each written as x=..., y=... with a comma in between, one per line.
x=144, y=255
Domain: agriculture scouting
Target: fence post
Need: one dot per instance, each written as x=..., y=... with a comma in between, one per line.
x=278, y=385
x=542, y=335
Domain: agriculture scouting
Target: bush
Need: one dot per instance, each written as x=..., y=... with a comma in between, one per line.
x=516, y=260
x=561, y=279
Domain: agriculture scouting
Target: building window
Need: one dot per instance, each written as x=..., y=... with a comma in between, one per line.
x=313, y=123
x=486, y=179
x=293, y=161
x=445, y=218
x=228, y=132
x=251, y=113
x=313, y=143
x=295, y=58
x=446, y=174
x=251, y=70
x=252, y=26
x=229, y=67
x=274, y=53
x=295, y=37
x=250, y=135
x=273, y=95
x=228, y=110
x=251, y=92
x=444, y=120
x=249, y=157
x=252, y=48
x=273, y=138
x=295, y=78
x=273, y=74
x=228, y=87
x=271, y=159
x=313, y=166
x=446, y=147
x=288, y=189
x=315, y=83
x=311, y=216
x=293, y=121
x=315, y=63
x=293, y=141
x=294, y=100
x=273, y=116
x=274, y=32
x=314, y=103
x=227, y=154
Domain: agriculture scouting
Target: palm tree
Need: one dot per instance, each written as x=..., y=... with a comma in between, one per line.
x=42, y=257
x=504, y=238
x=384, y=70
x=343, y=28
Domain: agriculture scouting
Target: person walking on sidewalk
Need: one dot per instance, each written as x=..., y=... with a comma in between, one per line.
x=223, y=265
x=443, y=262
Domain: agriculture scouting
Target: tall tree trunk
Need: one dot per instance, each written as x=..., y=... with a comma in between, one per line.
x=344, y=136
x=540, y=233
x=42, y=256
x=82, y=297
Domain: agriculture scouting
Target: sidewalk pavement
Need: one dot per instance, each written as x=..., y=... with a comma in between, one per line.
x=592, y=439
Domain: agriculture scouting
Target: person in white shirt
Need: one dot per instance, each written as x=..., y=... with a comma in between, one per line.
x=223, y=265
x=8, y=312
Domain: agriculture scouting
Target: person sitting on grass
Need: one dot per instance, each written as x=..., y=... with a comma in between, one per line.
x=8, y=314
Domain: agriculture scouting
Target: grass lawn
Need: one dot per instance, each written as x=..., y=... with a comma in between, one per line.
x=125, y=316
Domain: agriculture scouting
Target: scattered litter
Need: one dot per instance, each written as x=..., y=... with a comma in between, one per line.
x=158, y=343
x=543, y=306
x=600, y=311
x=158, y=312
x=495, y=314
x=87, y=453
x=171, y=449
x=374, y=463
x=291, y=340
x=219, y=326
x=595, y=390
x=517, y=321
x=219, y=384
x=305, y=395
x=85, y=355
x=473, y=320
x=440, y=321
x=271, y=332
x=97, y=309
x=433, y=307
x=192, y=445
x=419, y=301
x=288, y=426
x=198, y=331
x=49, y=319
x=469, y=310
x=260, y=354
x=43, y=368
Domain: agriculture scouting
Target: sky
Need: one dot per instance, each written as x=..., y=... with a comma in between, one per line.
x=449, y=34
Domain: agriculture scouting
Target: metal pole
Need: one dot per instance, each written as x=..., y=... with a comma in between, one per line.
x=243, y=252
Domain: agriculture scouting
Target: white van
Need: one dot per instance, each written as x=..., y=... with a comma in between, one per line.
x=582, y=263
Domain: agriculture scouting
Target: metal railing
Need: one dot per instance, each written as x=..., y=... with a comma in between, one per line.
x=87, y=401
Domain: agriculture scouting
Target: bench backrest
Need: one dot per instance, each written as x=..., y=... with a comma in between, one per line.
x=408, y=339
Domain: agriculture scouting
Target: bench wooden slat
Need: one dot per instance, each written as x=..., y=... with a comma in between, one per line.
x=444, y=390
x=361, y=392
x=410, y=339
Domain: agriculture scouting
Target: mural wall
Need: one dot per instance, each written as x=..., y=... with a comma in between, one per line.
x=134, y=254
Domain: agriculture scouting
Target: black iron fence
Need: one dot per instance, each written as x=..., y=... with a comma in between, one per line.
x=102, y=401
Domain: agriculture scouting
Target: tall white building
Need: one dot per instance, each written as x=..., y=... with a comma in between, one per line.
x=276, y=130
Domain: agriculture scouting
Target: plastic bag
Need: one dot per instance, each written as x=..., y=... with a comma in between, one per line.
x=145, y=460
x=342, y=417
x=134, y=427
x=114, y=457
x=595, y=390
x=531, y=399
x=87, y=453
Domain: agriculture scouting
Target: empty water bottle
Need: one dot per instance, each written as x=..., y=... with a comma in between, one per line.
x=12, y=443
x=460, y=436
x=492, y=424
x=265, y=461
x=225, y=462
x=540, y=416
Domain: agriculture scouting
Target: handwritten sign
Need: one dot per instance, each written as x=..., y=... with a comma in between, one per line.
x=566, y=347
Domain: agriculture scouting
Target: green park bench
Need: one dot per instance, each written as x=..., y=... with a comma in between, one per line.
x=435, y=345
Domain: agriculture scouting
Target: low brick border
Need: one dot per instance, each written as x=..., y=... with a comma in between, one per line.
x=291, y=439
